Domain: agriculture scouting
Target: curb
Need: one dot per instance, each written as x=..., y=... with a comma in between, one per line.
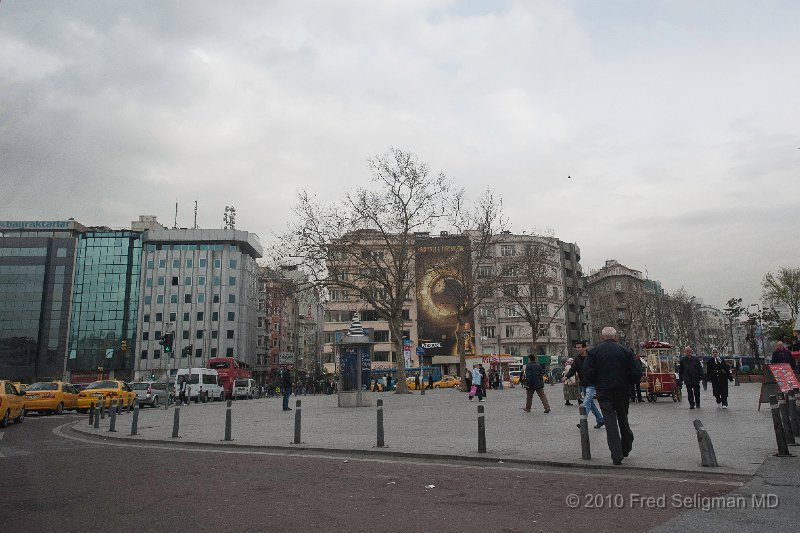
x=378, y=453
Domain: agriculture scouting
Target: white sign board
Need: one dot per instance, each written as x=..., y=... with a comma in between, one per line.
x=286, y=358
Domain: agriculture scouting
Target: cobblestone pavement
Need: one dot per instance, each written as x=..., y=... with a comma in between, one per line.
x=444, y=422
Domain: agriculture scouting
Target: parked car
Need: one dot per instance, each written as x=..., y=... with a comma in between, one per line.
x=204, y=384
x=79, y=386
x=12, y=404
x=50, y=397
x=150, y=392
x=108, y=389
x=447, y=382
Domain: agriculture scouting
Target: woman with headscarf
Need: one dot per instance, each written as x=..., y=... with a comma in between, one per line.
x=572, y=389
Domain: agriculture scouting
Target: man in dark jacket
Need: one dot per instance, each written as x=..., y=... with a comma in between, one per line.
x=782, y=355
x=534, y=382
x=611, y=369
x=690, y=372
x=718, y=372
x=588, y=390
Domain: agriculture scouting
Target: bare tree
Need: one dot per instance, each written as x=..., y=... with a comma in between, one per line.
x=528, y=285
x=362, y=247
x=474, y=280
x=680, y=323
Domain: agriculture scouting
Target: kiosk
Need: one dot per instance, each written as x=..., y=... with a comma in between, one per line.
x=355, y=365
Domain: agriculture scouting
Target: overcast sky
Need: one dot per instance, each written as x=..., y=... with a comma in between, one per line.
x=677, y=120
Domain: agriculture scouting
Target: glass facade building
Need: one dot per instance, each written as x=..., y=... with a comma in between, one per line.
x=105, y=297
x=36, y=266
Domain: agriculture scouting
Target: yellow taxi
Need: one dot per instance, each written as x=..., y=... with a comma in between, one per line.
x=447, y=382
x=108, y=389
x=50, y=397
x=412, y=384
x=12, y=404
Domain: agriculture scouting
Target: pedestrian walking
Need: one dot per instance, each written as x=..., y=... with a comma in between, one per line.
x=690, y=372
x=534, y=382
x=475, y=388
x=430, y=381
x=183, y=391
x=719, y=373
x=589, y=391
x=572, y=390
x=286, y=388
x=611, y=368
x=636, y=388
x=484, y=379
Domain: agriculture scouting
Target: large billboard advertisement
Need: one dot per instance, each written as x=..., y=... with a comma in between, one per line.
x=441, y=265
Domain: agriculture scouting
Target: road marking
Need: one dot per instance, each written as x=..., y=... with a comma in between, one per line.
x=678, y=478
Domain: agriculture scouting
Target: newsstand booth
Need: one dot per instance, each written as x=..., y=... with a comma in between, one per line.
x=354, y=352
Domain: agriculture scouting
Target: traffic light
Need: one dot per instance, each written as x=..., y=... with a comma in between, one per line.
x=187, y=351
x=166, y=342
x=124, y=345
x=152, y=376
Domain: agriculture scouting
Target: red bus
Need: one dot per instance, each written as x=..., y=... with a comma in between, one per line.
x=229, y=369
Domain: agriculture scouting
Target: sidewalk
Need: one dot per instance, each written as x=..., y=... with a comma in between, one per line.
x=444, y=422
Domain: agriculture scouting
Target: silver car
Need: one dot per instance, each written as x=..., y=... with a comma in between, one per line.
x=150, y=392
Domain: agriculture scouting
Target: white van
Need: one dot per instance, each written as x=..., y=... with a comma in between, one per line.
x=244, y=388
x=204, y=384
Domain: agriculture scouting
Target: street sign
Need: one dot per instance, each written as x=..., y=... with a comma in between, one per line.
x=109, y=353
x=420, y=350
x=285, y=358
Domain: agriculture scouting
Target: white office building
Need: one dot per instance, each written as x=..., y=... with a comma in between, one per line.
x=199, y=284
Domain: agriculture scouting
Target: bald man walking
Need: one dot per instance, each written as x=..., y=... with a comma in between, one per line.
x=611, y=368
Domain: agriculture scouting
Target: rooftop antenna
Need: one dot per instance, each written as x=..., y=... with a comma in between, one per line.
x=195, y=214
x=229, y=218
x=175, y=226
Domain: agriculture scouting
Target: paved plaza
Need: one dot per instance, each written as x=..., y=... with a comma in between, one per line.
x=444, y=423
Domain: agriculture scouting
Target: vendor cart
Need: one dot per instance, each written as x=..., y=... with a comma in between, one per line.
x=659, y=379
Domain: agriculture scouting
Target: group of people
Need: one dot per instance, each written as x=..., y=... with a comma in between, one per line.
x=606, y=371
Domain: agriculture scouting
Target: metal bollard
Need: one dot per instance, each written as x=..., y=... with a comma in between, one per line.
x=783, y=449
x=135, y=421
x=481, y=431
x=228, y=422
x=112, y=427
x=785, y=421
x=707, y=455
x=102, y=407
x=794, y=419
x=422, y=386
x=586, y=449
x=380, y=443
x=176, y=422
x=118, y=407
x=97, y=418
x=91, y=415
x=297, y=422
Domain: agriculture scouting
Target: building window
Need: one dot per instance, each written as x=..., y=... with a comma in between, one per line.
x=484, y=271
x=381, y=336
x=173, y=298
x=143, y=355
x=232, y=281
x=173, y=317
x=233, y=263
x=174, y=281
x=214, y=334
x=150, y=264
x=486, y=312
x=145, y=335
x=199, y=334
x=159, y=317
x=146, y=318
x=379, y=355
x=185, y=317
x=188, y=263
x=187, y=298
x=148, y=282
x=214, y=316
x=198, y=352
x=199, y=316
x=512, y=311
x=213, y=352
x=229, y=352
x=158, y=334
x=187, y=280
x=487, y=331
x=216, y=281
x=231, y=298
x=162, y=263
x=148, y=300
x=217, y=263
x=507, y=250
x=156, y=354
x=230, y=333
x=201, y=280
x=215, y=299
x=186, y=334
x=160, y=299
x=202, y=263
x=510, y=331
x=201, y=298
x=231, y=316
x=176, y=263
x=161, y=280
